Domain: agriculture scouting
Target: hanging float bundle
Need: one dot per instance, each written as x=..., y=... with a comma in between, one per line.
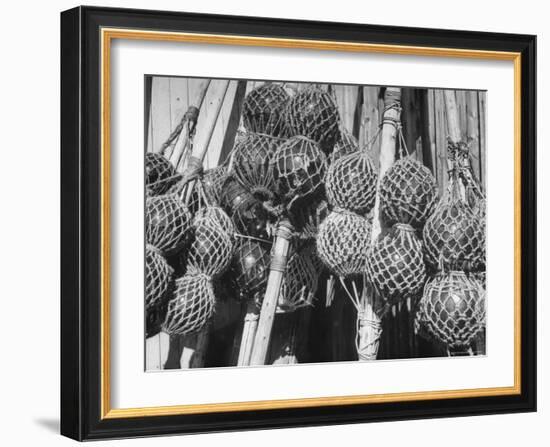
x=313, y=113
x=408, y=193
x=452, y=309
x=395, y=264
x=264, y=110
x=351, y=183
x=343, y=242
x=160, y=175
x=298, y=170
x=251, y=163
x=454, y=235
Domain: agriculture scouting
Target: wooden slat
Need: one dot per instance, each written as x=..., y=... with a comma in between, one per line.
x=441, y=139
x=346, y=99
x=482, y=111
x=472, y=130
x=370, y=120
x=160, y=111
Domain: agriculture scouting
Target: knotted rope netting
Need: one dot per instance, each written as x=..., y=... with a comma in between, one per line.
x=343, y=242
x=160, y=175
x=351, y=182
x=452, y=309
x=167, y=223
x=395, y=265
x=298, y=169
x=216, y=216
x=251, y=163
x=454, y=235
x=192, y=305
x=313, y=113
x=158, y=276
x=211, y=250
x=345, y=145
x=264, y=110
x=250, y=265
x=408, y=193
x=299, y=283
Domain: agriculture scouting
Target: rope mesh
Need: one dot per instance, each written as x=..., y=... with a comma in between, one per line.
x=211, y=250
x=314, y=114
x=408, y=193
x=299, y=283
x=212, y=182
x=251, y=268
x=452, y=309
x=251, y=163
x=351, y=183
x=343, y=242
x=264, y=110
x=454, y=235
x=158, y=275
x=298, y=170
x=159, y=174
x=216, y=216
x=192, y=305
x=307, y=218
x=395, y=266
x=167, y=223
x=345, y=145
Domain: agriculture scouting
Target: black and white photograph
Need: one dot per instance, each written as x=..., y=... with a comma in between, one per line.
x=292, y=222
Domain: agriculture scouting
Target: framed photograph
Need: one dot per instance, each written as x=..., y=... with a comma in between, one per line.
x=274, y=223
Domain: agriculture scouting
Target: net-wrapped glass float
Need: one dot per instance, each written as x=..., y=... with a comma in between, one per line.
x=351, y=182
x=167, y=223
x=313, y=113
x=250, y=265
x=212, y=182
x=154, y=318
x=395, y=264
x=408, y=193
x=264, y=110
x=216, y=216
x=192, y=305
x=158, y=276
x=251, y=163
x=247, y=213
x=454, y=235
x=299, y=283
x=452, y=309
x=298, y=169
x=343, y=242
x=211, y=250
x=159, y=174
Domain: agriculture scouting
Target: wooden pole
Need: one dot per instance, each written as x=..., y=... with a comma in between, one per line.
x=281, y=246
x=453, y=118
x=369, y=320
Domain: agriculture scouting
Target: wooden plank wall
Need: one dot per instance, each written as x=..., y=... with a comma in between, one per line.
x=425, y=132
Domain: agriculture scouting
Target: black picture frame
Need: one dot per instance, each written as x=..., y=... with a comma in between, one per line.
x=81, y=210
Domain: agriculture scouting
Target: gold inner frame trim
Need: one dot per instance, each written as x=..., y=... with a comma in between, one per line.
x=107, y=35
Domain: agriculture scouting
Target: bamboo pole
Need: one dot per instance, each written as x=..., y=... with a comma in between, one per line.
x=453, y=117
x=250, y=326
x=281, y=246
x=369, y=319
